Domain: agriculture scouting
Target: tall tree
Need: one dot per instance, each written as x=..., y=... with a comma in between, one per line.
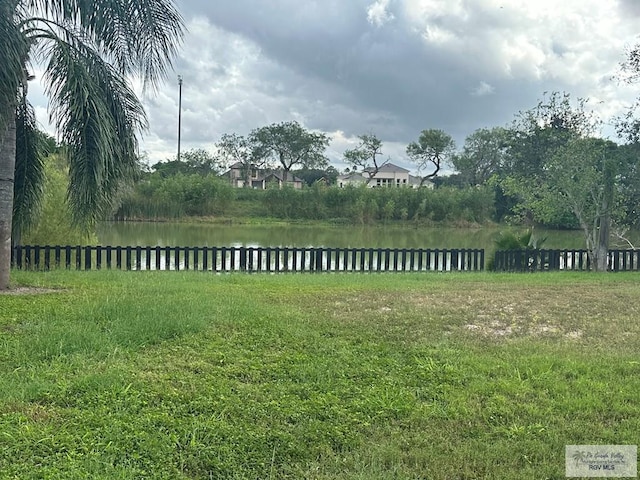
x=628, y=125
x=483, y=155
x=366, y=155
x=536, y=134
x=580, y=177
x=235, y=148
x=557, y=166
x=89, y=50
x=432, y=150
x=196, y=161
x=290, y=145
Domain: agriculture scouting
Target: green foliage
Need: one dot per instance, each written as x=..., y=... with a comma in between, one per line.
x=484, y=155
x=580, y=178
x=515, y=241
x=31, y=148
x=289, y=144
x=89, y=51
x=177, y=196
x=365, y=155
x=193, y=195
x=518, y=241
x=192, y=162
x=525, y=151
x=53, y=225
x=432, y=150
x=364, y=205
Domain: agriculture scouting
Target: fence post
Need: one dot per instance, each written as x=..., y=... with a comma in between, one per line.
x=243, y=259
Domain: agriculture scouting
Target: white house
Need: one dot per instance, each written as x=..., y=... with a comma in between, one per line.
x=355, y=179
x=388, y=175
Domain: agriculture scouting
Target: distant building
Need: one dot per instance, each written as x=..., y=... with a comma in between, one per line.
x=260, y=178
x=388, y=175
x=355, y=179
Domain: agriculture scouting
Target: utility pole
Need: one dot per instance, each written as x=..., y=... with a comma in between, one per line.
x=179, y=111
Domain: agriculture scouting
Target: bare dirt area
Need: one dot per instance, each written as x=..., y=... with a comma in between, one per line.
x=28, y=291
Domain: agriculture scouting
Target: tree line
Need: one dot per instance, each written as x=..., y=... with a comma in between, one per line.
x=288, y=146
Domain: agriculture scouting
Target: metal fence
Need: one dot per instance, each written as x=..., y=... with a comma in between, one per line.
x=577, y=260
x=247, y=259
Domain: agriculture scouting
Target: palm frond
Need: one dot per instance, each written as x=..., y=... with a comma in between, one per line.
x=98, y=116
x=29, y=171
x=140, y=37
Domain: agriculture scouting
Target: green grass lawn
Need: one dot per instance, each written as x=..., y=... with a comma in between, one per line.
x=191, y=375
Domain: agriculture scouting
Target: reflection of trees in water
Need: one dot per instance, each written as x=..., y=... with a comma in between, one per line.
x=176, y=234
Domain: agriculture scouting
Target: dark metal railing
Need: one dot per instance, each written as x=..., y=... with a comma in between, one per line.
x=576, y=260
x=247, y=259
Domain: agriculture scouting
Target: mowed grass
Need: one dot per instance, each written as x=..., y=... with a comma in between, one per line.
x=178, y=375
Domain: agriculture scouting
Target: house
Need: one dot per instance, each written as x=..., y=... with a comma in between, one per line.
x=260, y=178
x=355, y=179
x=278, y=178
x=388, y=175
x=235, y=175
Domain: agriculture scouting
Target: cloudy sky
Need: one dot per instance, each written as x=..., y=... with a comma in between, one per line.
x=386, y=67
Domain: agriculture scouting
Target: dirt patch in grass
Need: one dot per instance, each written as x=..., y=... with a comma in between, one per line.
x=573, y=312
x=499, y=329
x=29, y=291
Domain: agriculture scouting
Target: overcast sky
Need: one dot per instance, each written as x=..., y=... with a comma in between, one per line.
x=386, y=67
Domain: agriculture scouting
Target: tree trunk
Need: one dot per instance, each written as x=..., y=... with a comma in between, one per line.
x=604, y=222
x=7, y=173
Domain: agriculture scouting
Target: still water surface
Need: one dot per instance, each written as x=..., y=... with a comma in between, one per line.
x=202, y=235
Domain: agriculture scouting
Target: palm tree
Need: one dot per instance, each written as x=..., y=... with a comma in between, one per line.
x=89, y=49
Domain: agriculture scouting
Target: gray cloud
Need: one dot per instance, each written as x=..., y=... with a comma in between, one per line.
x=388, y=67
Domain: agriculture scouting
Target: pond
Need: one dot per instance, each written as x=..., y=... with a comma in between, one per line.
x=214, y=235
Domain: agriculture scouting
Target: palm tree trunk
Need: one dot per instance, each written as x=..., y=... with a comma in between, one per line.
x=7, y=172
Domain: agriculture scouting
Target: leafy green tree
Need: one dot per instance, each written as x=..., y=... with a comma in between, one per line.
x=432, y=150
x=88, y=49
x=483, y=155
x=629, y=186
x=291, y=145
x=536, y=134
x=237, y=149
x=192, y=162
x=366, y=155
x=580, y=177
x=201, y=162
x=531, y=141
x=628, y=124
x=557, y=165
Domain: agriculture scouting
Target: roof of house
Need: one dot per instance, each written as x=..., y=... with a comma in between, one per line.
x=279, y=175
x=392, y=167
x=352, y=177
x=240, y=166
x=388, y=168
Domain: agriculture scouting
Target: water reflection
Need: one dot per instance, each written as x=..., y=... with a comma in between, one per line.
x=202, y=235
